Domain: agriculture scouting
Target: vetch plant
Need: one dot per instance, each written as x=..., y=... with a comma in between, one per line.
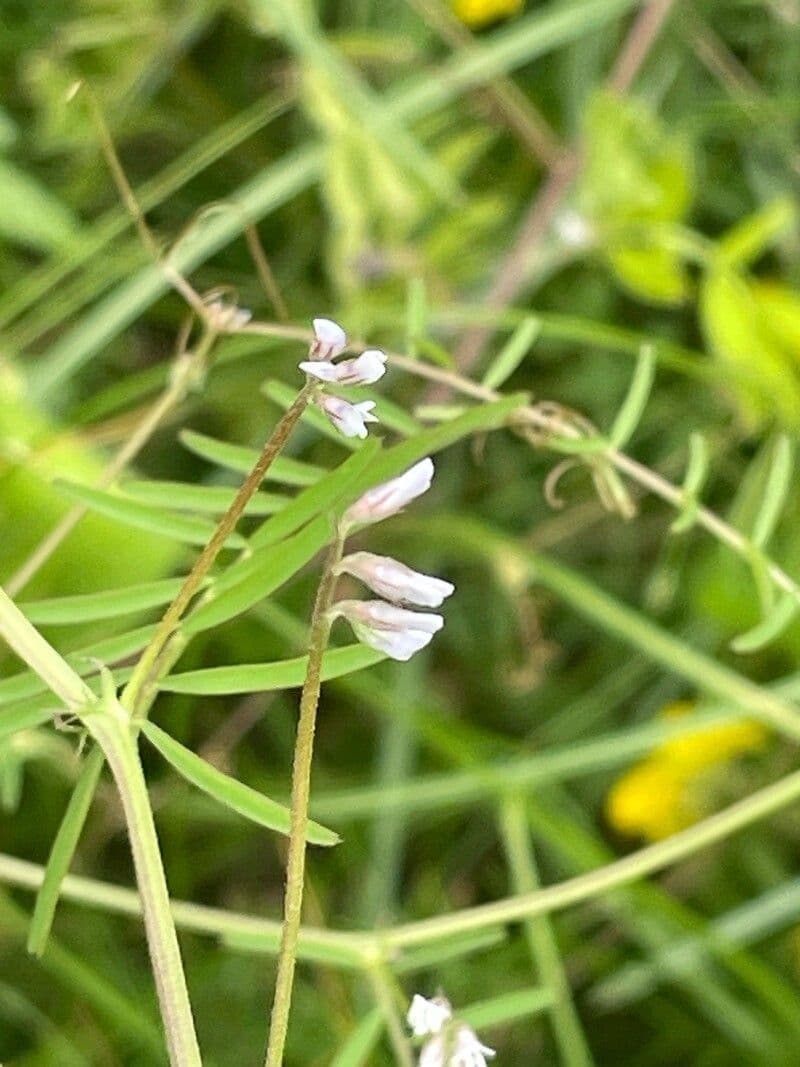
x=398, y=633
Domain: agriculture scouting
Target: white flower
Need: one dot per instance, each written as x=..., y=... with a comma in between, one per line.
x=459, y=1049
x=349, y=419
x=329, y=339
x=390, y=497
x=394, y=581
x=574, y=229
x=366, y=369
x=395, y=631
x=427, y=1017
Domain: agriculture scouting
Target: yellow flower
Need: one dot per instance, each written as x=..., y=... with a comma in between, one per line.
x=476, y=13
x=664, y=793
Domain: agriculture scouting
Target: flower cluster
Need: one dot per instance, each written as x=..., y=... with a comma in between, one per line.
x=329, y=342
x=674, y=786
x=450, y=1043
x=385, y=624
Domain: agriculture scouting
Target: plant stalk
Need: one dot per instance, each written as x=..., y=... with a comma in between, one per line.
x=146, y=666
x=301, y=789
x=120, y=750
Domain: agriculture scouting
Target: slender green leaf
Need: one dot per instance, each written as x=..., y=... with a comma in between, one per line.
x=110, y=604
x=360, y=1045
x=84, y=661
x=776, y=490
x=771, y=627
x=506, y=1008
x=416, y=315
x=214, y=499
x=184, y=528
x=316, y=499
x=696, y=473
x=750, y=238
x=228, y=791
x=258, y=576
x=381, y=467
x=242, y=460
x=66, y=841
x=265, y=677
x=512, y=353
x=633, y=406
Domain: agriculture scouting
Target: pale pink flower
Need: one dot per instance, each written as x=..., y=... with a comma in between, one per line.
x=329, y=339
x=349, y=419
x=394, y=581
x=365, y=369
x=390, y=497
x=397, y=632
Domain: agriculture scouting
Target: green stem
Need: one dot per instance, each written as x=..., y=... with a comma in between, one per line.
x=301, y=789
x=120, y=750
x=541, y=937
x=385, y=999
x=147, y=665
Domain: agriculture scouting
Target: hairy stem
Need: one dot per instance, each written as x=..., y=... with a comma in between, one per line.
x=301, y=789
x=119, y=748
x=147, y=663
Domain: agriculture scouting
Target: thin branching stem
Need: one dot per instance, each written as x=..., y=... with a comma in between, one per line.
x=301, y=790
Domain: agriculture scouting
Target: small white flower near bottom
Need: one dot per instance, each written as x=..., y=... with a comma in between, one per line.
x=395, y=581
x=349, y=419
x=329, y=339
x=459, y=1049
x=390, y=497
x=426, y=1017
x=395, y=631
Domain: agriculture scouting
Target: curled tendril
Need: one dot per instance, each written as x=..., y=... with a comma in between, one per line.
x=551, y=493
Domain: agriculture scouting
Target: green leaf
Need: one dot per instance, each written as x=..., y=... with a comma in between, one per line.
x=749, y=239
x=111, y=603
x=228, y=791
x=651, y=273
x=183, y=528
x=267, y=677
x=242, y=460
x=630, y=414
x=416, y=315
x=696, y=473
x=215, y=499
x=60, y=858
x=319, y=497
x=84, y=661
x=776, y=490
x=771, y=627
x=245, y=584
x=512, y=353
x=381, y=467
x=506, y=1008
x=360, y=1045
x=30, y=214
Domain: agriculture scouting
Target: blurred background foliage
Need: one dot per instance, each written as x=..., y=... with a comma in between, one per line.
x=389, y=151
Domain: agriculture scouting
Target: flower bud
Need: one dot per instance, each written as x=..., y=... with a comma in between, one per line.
x=329, y=339
x=427, y=1017
x=366, y=369
x=394, y=581
x=395, y=631
x=349, y=419
x=390, y=497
